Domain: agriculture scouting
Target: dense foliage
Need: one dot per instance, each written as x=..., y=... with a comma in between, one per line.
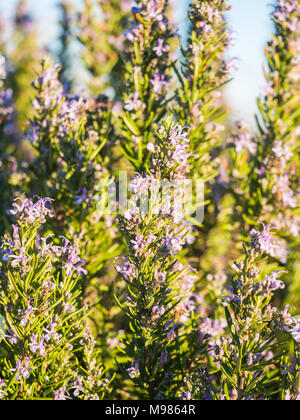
x=149, y=247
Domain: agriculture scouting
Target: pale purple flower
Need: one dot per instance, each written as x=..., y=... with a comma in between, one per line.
x=20, y=258
x=245, y=141
x=78, y=385
x=283, y=186
x=33, y=134
x=272, y=283
x=139, y=185
x=154, y=11
x=173, y=244
x=138, y=243
x=157, y=312
x=50, y=332
x=134, y=103
x=206, y=28
x=81, y=197
x=22, y=369
x=289, y=369
x=159, y=82
x=6, y=104
x=134, y=371
x=293, y=25
x=127, y=270
x=171, y=334
x=268, y=91
x=161, y=47
x=52, y=91
x=27, y=315
x=12, y=338
x=186, y=395
x=71, y=259
x=264, y=242
x=47, y=248
x=253, y=358
x=294, y=330
x=31, y=212
x=210, y=328
x=282, y=151
x=131, y=214
x=151, y=147
x=61, y=395
x=37, y=346
x=231, y=297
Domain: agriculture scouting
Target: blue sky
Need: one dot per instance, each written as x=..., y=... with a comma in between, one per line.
x=251, y=25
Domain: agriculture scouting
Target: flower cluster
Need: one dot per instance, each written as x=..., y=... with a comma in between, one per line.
x=30, y=212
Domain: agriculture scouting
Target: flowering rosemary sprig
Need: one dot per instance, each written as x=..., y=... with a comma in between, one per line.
x=159, y=299
x=204, y=71
x=47, y=350
x=251, y=356
x=69, y=134
x=147, y=73
x=264, y=168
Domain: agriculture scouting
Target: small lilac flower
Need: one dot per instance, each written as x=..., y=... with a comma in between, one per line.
x=282, y=151
x=20, y=258
x=71, y=259
x=161, y=48
x=171, y=334
x=294, y=330
x=151, y=147
x=61, y=395
x=22, y=369
x=127, y=270
x=81, y=197
x=28, y=315
x=12, y=338
x=157, y=312
x=264, y=242
x=186, y=395
x=78, y=385
x=31, y=212
x=33, y=134
x=36, y=346
x=139, y=185
x=289, y=369
x=134, y=372
x=159, y=82
x=50, y=332
x=272, y=281
x=138, y=243
x=154, y=11
x=245, y=141
x=134, y=103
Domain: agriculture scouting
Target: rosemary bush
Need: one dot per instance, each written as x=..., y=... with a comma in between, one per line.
x=118, y=278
